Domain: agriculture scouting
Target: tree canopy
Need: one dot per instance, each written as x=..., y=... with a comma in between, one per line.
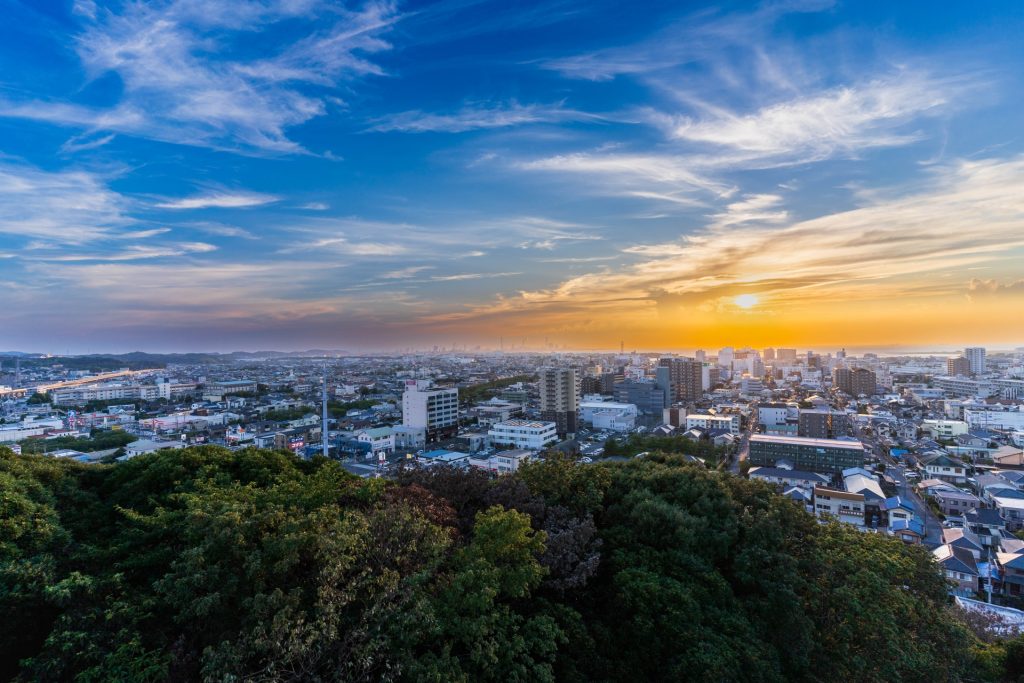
x=253, y=565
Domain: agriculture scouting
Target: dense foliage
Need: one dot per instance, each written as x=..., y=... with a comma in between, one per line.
x=648, y=443
x=206, y=564
x=341, y=409
x=484, y=390
x=98, y=440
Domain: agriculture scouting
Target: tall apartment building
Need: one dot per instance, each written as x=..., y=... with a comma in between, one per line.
x=768, y=354
x=854, y=381
x=975, y=356
x=434, y=410
x=685, y=378
x=785, y=354
x=559, y=399
x=823, y=424
x=958, y=367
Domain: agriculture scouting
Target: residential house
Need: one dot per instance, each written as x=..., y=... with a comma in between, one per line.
x=1011, y=568
x=1008, y=456
x=987, y=525
x=941, y=466
x=960, y=568
x=956, y=502
x=965, y=539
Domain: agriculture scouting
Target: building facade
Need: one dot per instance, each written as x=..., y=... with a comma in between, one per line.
x=815, y=455
x=529, y=434
x=559, y=399
x=855, y=381
x=435, y=410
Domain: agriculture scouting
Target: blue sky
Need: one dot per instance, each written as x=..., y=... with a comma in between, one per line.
x=214, y=174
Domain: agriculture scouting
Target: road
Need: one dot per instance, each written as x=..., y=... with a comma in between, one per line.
x=898, y=472
x=741, y=454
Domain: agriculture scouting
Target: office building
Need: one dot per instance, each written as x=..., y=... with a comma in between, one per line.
x=434, y=410
x=975, y=356
x=559, y=399
x=768, y=354
x=685, y=378
x=823, y=424
x=958, y=367
x=854, y=381
x=649, y=398
x=785, y=355
x=815, y=455
x=617, y=417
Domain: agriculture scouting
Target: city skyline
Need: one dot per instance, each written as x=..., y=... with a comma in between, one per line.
x=296, y=174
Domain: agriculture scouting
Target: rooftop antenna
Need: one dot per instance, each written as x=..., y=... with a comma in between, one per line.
x=323, y=428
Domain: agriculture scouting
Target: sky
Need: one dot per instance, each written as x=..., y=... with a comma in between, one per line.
x=181, y=175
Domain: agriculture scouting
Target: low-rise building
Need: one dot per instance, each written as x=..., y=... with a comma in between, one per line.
x=956, y=502
x=377, y=439
x=530, y=434
x=709, y=422
x=503, y=462
x=960, y=568
x=941, y=466
x=816, y=455
x=843, y=506
x=787, y=478
x=944, y=429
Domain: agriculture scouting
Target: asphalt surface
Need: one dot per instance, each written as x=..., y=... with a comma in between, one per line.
x=904, y=488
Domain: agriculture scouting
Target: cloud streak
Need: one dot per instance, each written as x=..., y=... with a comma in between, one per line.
x=968, y=213
x=219, y=200
x=476, y=117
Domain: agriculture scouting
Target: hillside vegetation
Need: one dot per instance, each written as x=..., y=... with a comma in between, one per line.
x=206, y=564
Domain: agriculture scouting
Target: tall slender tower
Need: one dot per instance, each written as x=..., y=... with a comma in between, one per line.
x=323, y=428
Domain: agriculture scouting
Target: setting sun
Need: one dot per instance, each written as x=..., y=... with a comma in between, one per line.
x=746, y=300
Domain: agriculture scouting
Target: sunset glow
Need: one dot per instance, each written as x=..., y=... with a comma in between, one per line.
x=681, y=177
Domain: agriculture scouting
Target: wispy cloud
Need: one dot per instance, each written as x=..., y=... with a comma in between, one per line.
x=843, y=120
x=403, y=273
x=470, y=276
x=757, y=208
x=636, y=174
x=477, y=117
x=133, y=253
x=965, y=214
x=978, y=288
x=219, y=200
x=65, y=207
x=184, y=80
x=688, y=40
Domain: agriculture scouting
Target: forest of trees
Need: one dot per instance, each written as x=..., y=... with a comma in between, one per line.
x=206, y=564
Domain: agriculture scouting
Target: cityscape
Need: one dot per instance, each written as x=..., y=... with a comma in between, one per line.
x=458, y=340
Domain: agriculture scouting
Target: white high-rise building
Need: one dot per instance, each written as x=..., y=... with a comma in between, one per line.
x=975, y=356
x=435, y=410
x=725, y=357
